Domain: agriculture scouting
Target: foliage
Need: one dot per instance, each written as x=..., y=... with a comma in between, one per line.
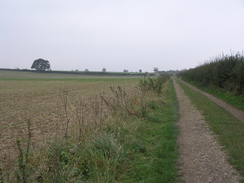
x=155, y=69
x=23, y=158
x=1, y=175
x=41, y=64
x=153, y=84
x=225, y=72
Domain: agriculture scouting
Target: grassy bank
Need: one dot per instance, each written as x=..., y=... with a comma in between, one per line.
x=122, y=134
x=230, y=131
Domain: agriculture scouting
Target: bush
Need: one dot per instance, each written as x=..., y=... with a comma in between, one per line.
x=224, y=72
x=153, y=84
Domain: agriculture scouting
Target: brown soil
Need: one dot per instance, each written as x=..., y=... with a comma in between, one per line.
x=201, y=159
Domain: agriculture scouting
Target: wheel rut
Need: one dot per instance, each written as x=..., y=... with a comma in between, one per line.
x=201, y=158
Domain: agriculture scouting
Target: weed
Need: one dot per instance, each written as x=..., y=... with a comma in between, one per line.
x=1, y=175
x=80, y=114
x=153, y=84
x=23, y=157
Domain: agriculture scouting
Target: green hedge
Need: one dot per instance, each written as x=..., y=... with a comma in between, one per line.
x=225, y=72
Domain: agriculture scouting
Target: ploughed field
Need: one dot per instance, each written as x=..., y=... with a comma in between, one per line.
x=42, y=104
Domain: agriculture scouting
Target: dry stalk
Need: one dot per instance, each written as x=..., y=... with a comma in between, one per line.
x=80, y=110
x=67, y=116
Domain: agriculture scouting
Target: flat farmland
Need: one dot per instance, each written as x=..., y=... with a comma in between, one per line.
x=77, y=128
x=38, y=98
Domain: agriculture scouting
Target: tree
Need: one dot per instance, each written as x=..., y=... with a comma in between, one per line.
x=155, y=69
x=104, y=70
x=41, y=64
x=125, y=70
x=140, y=71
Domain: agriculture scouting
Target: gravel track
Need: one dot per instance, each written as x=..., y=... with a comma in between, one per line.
x=201, y=158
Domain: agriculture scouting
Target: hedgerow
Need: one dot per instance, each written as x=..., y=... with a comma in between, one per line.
x=225, y=72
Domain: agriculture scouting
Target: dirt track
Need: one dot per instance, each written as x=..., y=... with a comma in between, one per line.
x=201, y=159
x=239, y=114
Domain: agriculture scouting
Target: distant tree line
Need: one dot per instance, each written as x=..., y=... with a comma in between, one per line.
x=42, y=65
x=225, y=72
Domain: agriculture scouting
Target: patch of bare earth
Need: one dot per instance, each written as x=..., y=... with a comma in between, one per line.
x=201, y=159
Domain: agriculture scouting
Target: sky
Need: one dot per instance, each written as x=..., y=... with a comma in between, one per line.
x=119, y=34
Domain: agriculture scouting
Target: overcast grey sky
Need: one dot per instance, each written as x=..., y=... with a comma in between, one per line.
x=118, y=34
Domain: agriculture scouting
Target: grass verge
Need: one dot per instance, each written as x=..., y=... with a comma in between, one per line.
x=230, y=131
x=155, y=149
